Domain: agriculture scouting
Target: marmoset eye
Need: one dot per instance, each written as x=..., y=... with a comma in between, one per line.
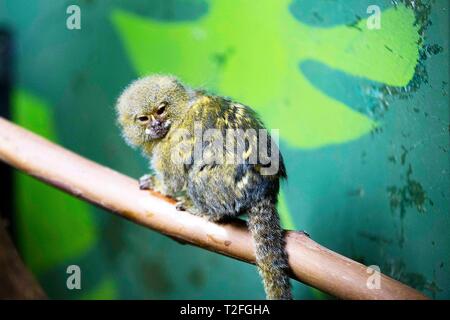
x=161, y=108
x=142, y=118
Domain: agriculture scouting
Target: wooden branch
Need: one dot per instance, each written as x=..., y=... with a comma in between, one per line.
x=309, y=262
x=16, y=282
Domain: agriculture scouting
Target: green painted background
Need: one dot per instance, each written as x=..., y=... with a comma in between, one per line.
x=363, y=118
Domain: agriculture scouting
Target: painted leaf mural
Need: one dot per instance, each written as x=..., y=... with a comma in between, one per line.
x=221, y=51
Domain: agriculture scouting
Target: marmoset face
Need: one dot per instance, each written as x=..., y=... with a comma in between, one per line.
x=147, y=108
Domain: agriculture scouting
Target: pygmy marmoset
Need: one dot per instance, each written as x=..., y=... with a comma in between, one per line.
x=162, y=116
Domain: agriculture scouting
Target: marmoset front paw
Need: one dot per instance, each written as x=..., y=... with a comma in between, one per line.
x=151, y=182
x=146, y=182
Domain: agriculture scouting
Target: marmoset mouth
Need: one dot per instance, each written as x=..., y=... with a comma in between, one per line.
x=157, y=129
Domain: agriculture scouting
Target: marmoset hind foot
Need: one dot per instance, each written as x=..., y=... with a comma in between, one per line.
x=150, y=182
x=186, y=204
x=150, y=112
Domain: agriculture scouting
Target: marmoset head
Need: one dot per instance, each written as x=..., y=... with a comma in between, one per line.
x=149, y=106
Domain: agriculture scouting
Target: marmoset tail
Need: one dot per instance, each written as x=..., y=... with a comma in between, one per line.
x=215, y=157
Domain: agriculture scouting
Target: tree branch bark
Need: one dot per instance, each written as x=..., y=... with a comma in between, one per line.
x=310, y=262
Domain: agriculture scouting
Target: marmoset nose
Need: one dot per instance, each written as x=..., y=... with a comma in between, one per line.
x=155, y=123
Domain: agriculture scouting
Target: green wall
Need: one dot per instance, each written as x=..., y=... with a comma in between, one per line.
x=363, y=118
